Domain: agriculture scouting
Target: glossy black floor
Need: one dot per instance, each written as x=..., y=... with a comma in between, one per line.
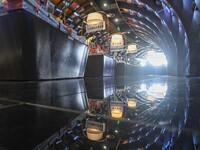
x=53, y=114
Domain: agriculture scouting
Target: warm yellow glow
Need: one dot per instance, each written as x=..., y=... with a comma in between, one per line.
x=126, y=10
x=150, y=98
x=132, y=48
x=94, y=18
x=94, y=134
x=132, y=103
x=4, y=1
x=116, y=113
x=117, y=40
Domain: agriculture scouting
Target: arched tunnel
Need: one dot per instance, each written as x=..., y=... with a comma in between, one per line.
x=172, y=26
x=99, y=74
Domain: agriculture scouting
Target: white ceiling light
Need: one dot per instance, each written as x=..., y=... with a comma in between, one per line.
x=94, y=134
x=95, y=22
x=94, y=18
x=132, y=103
x=117, y=40
x=117, y=112
x=132, y=48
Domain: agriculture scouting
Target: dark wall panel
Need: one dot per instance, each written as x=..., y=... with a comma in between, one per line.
x=100, y=65
x=32, y=49
x=67, y=94
x=120, y=69
x=123, y=69
x=100, y=88
x=94, y=67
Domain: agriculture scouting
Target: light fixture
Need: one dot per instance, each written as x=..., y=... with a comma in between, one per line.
x=94, y=18
x=94, y=130
x=117, y=113
x=128, y=32
x=150, y=98
x=105, y=4
x=95, y=22
x=110, y=15
x=132, y=103
x=116, y=20
x=117, y=40
x=94, y=134
x=132, y=48
x=158, y=90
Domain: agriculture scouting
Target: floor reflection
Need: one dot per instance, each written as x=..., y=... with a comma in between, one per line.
x=66, y=94
x=148, y=114
x=154, y=112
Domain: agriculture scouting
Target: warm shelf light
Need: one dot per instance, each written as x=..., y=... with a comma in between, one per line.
x=117, y=112
x=150, y=98
x=132, y=103
x=132, y=48
x=117, y=40
x=94, y=18
x=95, y=22
x=94, y=134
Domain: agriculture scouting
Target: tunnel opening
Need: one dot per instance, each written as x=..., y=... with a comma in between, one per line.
x=155, y=59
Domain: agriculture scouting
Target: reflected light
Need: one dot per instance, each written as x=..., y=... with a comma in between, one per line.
x=117, y=112
x=158, y=90
x=150, y=98
x=94, y=134
x=132, y=103
x=117, y=40
x=132, y=48
x=143, y=88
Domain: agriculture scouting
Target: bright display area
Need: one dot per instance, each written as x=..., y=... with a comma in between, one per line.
x=155, y=59
x=158, y=90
